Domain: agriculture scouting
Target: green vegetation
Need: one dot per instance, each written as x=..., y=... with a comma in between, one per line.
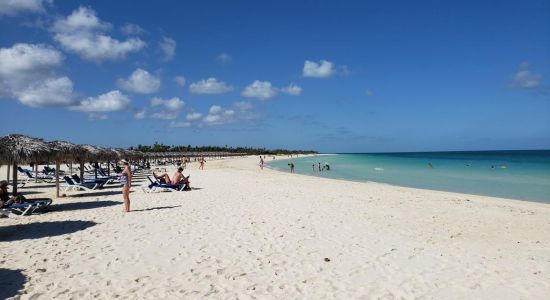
x=156, y=147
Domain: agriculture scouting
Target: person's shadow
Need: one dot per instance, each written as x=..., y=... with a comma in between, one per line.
x=82, y=205
x=43, y=229
x=12, y=281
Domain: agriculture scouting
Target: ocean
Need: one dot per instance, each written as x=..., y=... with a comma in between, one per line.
x=522, y=175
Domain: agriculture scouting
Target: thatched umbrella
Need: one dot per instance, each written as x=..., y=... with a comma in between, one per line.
x=17, y=148
x=61, y=151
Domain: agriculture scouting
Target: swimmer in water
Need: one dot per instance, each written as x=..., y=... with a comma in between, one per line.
x=430, y=165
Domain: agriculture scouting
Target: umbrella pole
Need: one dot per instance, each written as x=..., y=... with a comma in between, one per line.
x=82, y=171
x=14, y=178
x=71, y=168
x=108, y=168
x=96, y=165
x=9, y=172
x=57, y=178
x=36, y=173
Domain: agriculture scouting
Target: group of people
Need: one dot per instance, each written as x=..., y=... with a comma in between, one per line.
x=326, y=167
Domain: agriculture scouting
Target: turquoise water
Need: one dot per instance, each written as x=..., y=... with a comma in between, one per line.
x=523, y=175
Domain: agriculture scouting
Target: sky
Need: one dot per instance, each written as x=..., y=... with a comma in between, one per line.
x=331, y=76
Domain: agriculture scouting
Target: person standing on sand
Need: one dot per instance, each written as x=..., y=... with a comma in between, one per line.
x=261, y=163
x=126, y=180
x=201, y=160
x=291, y=165
x=313, y=168
x=319, y=167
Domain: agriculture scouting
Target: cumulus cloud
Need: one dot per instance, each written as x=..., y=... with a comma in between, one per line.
x=217, y=115
x=168, y=48
x=131, y=29
x=224, y=57
x=83, y=33
x=193, y=116
x=210, y=86
x=262, y=90
x=139, y=115
x=180, y=80
x=179, y=124
x=15, y=7
x=28, y=74
x=140, y=81
x=50, y=92
x=166, y=109
x=28, y=59
x=111, y=101
x=524, y=78
x=323, y=69
x=292, y=89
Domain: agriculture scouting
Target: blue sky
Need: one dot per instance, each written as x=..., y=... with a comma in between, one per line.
x=363, y=76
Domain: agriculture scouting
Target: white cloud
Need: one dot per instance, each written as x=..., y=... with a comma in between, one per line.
x=210, y=86
x=179, y=124
x=50, y=92
x=262, y=90
x=217, y=115
x=166, y=109
x=111, y=101
x=180, y=80
x=168, y=48
x=224, y=57
x=97, y=117
x=139, y=115
x=28, y=59
x=14, y=7
x=323, y=69
x=193, y=116
x=131, y=29
x=292, y=89
x=83, y=33
x=524, y=78
x=27, y=73
x=140, y=81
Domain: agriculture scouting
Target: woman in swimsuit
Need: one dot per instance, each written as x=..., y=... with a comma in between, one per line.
x=126, y=180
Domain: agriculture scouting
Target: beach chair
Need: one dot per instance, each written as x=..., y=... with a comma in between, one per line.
x=100, y=182
x=41, y=177
x=157, y=186
x=25, y=209
x=73, y=186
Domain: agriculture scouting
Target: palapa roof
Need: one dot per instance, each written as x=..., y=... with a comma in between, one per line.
x=63, y=150
x=23, y=149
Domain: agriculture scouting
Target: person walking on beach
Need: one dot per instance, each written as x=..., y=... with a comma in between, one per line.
x=261, y=163
x=126, y=180
x=319, y=167
x=201, y=161
x=291, y=165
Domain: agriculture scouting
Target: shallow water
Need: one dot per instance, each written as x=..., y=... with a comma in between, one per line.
x=523, y=175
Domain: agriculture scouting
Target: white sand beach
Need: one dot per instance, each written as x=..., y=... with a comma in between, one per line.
x=246, y=233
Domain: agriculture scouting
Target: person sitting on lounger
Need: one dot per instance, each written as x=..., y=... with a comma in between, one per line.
x=5, y=199
x=177, y=179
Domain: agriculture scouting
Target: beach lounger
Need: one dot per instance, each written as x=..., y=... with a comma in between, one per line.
x=41, y=177
x=100, y=181
x=25, y=209
x=73, y=186
x=157, y=186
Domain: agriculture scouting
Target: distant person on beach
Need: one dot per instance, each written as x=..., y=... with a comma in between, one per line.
x=319, y=164
x=201, y=161
x=291, y=165
x=126, y=181
x=261, y=163
x=326, y=167
x=313, y=168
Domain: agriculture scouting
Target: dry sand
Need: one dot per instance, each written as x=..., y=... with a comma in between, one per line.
x=244, y=233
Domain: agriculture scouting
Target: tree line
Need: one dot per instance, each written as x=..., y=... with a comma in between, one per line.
x=159, y=147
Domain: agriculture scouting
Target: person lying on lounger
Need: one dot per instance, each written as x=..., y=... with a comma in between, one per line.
x=178, y=178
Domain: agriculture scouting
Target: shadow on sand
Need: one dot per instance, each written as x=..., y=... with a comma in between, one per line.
x=42, y=229
x=12, y=281
x=83, y=205
x=156, y=208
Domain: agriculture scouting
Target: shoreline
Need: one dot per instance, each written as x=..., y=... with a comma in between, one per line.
x=267, y=165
